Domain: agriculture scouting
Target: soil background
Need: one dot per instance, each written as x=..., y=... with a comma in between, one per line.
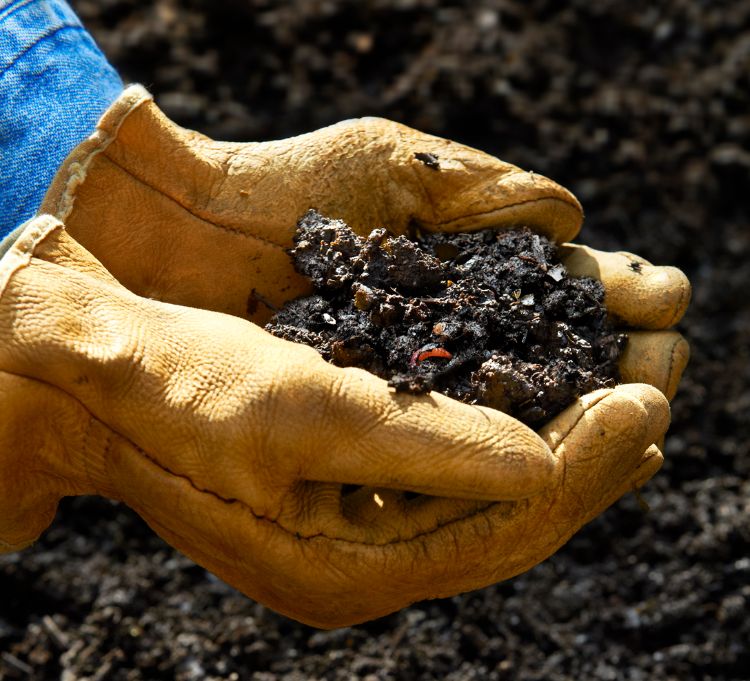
x=643, y=110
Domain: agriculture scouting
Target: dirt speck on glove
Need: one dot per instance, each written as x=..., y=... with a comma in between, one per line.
x=489, y=317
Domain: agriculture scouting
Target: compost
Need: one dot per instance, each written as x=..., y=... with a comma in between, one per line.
x=489, y=317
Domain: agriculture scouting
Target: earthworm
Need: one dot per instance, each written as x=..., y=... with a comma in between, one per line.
x=420, y=355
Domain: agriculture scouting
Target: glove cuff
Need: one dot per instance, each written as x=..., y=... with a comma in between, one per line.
x=11, y=238
x=60, y=196
x=23, y=241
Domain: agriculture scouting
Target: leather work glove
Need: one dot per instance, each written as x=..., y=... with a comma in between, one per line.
x=232, y=444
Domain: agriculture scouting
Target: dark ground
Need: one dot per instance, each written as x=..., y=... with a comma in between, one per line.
x=642, y=110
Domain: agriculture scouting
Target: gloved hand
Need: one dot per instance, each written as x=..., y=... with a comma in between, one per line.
x=338, y=561
x=233, y=446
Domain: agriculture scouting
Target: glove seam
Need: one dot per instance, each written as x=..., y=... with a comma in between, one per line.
x=671, y=387
x=585, y=409
x=682, y=303
x=225, y=228
x=21, y=252
x=61, y=194
x=88, y=438
x=500, y=210
x=7, y=547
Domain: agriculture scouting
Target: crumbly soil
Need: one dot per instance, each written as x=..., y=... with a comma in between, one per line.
x=489, y=317
x=641, y=109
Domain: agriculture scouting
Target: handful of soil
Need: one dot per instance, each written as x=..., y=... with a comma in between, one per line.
x=488, y=317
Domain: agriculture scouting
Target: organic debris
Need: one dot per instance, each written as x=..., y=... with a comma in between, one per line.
x=489, y=317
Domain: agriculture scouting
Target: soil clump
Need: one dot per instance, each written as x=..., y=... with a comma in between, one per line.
x=488, y=317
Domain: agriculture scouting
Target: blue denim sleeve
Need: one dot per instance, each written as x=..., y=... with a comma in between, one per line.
x=54, y=85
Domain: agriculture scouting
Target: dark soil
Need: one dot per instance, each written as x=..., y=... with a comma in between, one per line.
x=641, y=109
x=488, y=318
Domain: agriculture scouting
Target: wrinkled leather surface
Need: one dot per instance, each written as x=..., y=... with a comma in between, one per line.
x=232, y=444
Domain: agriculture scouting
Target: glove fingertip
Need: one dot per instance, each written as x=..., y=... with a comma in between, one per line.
x=657, y=358
x=637, y=293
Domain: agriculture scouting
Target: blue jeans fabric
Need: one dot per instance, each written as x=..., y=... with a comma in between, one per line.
x=55, y=83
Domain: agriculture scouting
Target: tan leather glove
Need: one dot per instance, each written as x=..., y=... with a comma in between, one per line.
x=202, y=223
x=233, y=445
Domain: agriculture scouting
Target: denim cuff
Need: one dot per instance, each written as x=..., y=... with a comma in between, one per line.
x=55, y=83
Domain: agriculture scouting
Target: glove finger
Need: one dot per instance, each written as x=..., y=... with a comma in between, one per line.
x=655, y=357
x=600, y=443
x=596, y=425
x=637, y=293
x=652, y=461
x=601, y=440
x=361, y=432
x=648, y=465
x=453, y=188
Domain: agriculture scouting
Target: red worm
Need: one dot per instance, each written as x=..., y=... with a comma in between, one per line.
x=420, y=355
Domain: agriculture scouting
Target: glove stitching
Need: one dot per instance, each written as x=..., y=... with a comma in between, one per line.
x=681, y=305
x=548, y=517
x=225, y=228
x=500, y=210
x=73, y=173
x=584, y=410
x=85, y=448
